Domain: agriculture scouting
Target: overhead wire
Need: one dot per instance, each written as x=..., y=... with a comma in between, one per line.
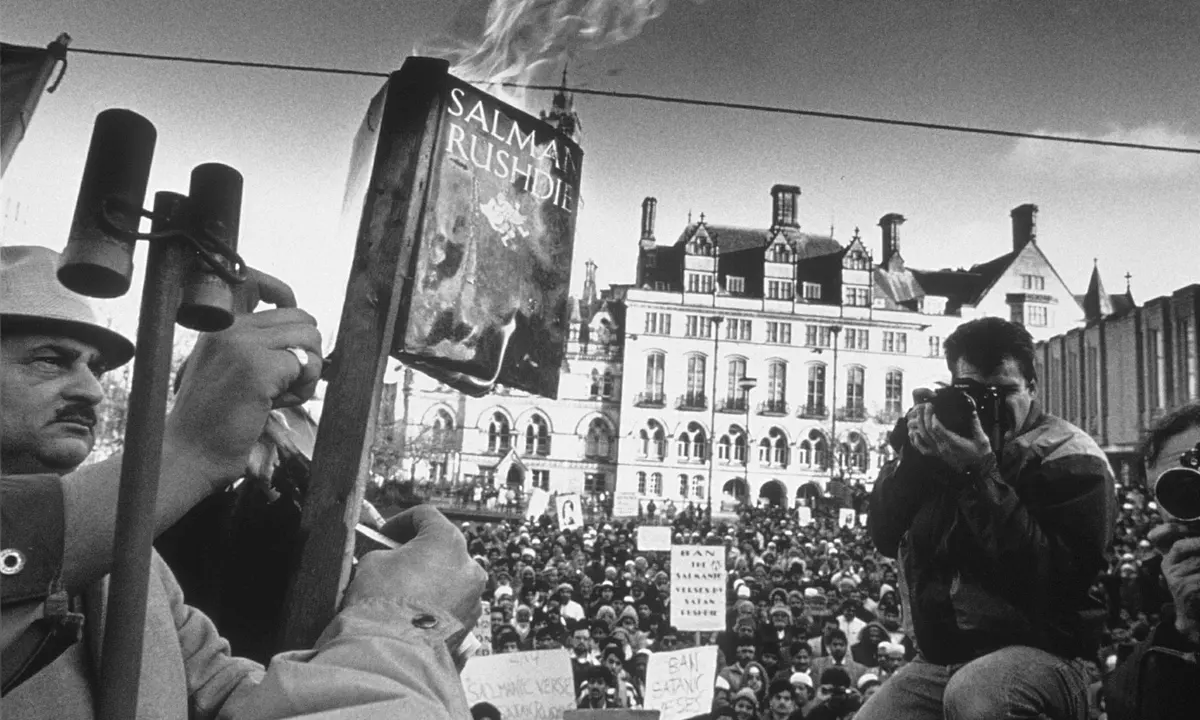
x=670, y=99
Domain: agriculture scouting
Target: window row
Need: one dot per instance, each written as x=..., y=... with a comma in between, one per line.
x=774, y=400
x=780, y=333
x=598, y=441
x=773, y=451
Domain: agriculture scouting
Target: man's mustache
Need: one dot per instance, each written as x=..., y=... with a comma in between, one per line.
x=77, y=413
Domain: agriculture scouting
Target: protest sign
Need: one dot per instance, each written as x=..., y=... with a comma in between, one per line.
x=698, y=587
x=625, y=504
x=654, y=537
x=804, y=516
x=539, y=500
x=846, y=517
x=570, y=513
x=862, y=519
x=679, y=683
x=535, y=685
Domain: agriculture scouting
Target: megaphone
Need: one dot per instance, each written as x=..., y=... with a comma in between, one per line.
x=1178, y=489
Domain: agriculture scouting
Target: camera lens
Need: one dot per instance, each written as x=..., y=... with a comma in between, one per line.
x=1178, y=492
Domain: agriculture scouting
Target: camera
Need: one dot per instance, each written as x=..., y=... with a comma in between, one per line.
x=955, y=405
x=1178, y=489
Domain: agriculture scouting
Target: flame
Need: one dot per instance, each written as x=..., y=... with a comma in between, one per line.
x=516, y=40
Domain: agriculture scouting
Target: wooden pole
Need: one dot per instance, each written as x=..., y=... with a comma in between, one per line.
x=14, y=132
x=121, y=663
x=391, y=222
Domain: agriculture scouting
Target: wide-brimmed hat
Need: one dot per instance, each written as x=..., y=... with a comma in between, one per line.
x=33, y=300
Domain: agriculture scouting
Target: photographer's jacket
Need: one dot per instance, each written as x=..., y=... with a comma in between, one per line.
x=1003, y=556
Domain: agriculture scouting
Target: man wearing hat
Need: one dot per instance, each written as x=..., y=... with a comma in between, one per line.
x=401, y=615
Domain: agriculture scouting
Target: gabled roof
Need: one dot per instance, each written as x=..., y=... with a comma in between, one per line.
x=732, y=239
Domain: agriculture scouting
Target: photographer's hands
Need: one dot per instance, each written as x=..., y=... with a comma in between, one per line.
x=930, y=437
x=1181, y=569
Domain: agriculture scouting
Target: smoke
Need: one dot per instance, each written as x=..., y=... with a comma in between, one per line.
x=516, y=41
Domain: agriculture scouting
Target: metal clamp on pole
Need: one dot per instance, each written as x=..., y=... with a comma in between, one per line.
x=192, y=235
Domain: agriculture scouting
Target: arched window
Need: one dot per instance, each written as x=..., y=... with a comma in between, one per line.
x=683, y=446
x=778, y=444
x=597, y=384
x=854, y=453
x=598, y=443
x=641, y=483
x=777, y=386
x=893, y=399
x=653, y=441
x=764, y=452
x=820, y=449
x=698, y=487
x=499, y=434
x=736, y=396
x=656, y=484
x=694, y=395
x=724, y=446
x=442, y=429
x=537, y=436
x=697, y=441
x=655, y=364
x=739, y=447
x=804, y=453
x=683, y=486
x=608, y=386
x=815, y=400
x=854, y=391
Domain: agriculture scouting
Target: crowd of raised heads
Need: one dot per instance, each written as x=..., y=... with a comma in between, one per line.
x=814, y=620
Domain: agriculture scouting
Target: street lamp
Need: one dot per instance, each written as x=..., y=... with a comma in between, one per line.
x=746, y=384
x=712, y=401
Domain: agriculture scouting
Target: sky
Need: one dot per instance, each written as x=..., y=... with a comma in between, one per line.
x=1116, y=69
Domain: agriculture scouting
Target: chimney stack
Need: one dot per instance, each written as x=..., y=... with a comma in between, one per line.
x=1024, y=225
x=649, y=208
x=891, y=238
x=784, y=199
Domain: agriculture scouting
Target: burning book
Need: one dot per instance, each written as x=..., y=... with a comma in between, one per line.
x=492, y=201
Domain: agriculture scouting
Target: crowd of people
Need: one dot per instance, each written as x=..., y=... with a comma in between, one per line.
x=814, y=627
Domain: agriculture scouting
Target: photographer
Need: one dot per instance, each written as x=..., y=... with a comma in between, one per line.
x=1154, y=681
x=999, y=515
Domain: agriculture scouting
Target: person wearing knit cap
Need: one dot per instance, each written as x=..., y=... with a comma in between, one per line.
x=628, y=619
x=745, y=704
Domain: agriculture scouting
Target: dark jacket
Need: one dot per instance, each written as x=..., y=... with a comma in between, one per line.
x=1159, y=678
x=1005, y=555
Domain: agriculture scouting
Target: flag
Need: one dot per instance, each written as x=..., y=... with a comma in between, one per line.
x=24, y=74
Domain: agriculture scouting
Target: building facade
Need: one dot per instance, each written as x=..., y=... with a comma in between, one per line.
x=741, y=363
x=1127, y=366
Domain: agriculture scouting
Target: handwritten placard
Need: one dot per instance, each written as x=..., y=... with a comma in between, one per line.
x=654, y=537
x=698, y=587
x=625, y=504
x=535, y=685
x=679, y=683
x=539, y=500
x=846, y=517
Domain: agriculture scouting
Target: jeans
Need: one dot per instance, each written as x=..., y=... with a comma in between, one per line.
x=1013, y=682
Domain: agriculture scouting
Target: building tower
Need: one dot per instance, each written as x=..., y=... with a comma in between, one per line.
x=562, y=113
